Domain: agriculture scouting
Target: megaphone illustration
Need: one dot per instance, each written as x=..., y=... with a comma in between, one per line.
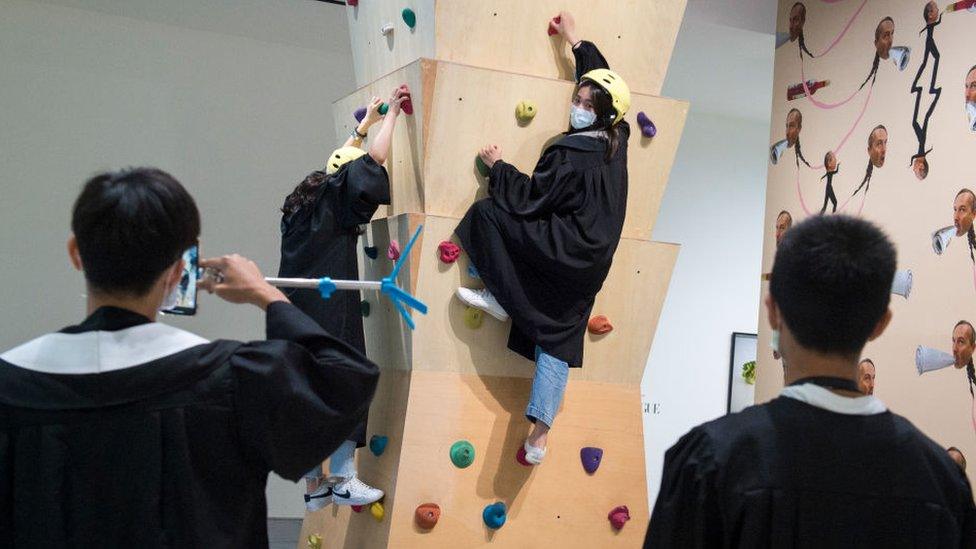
x=900, y=56
x=971, y=111
x=928, y=359
x=777, y=150
x=902, y=284
x=941, y=238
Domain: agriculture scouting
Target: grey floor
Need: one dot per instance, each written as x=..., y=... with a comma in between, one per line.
x=283, y=533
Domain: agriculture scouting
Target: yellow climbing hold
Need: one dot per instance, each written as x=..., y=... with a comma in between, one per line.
x=314, y=541
x=376, y=509
x=525, y=111
x=473, y=318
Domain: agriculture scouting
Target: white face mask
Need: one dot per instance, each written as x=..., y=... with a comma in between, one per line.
x=580, y=118
x=971, y=111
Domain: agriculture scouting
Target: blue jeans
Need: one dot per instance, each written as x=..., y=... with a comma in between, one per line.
x=548, y=387
x=341, y=463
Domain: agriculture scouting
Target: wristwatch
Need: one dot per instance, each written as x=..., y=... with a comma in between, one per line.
x=355, y=133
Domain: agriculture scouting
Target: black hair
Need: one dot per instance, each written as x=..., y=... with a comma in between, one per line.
x=131, y=225
x=831, y=281
x=868, y=360
x=877, y=58
x=304, y=193
x=970, y=369
x=866, y=182
x=605, y=116
x=799, y=39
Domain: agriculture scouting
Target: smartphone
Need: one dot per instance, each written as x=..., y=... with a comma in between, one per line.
x=186, y=304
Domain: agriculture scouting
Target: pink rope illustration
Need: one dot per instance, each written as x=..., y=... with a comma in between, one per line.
x=846, y=27
x=803, y=204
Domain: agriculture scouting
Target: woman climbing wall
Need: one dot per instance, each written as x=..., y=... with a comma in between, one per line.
x=320, y=226
x=543, y=243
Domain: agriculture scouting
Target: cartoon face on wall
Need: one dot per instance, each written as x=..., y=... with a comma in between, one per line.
x=970, y=94
x=920, y=167
x=931, y=12
x=963, y=343
x=798, y=16
x=884, y=35
x=878, y=146
x=962, y=211
x=794, y=123
x=830, y=162
x=783, y=223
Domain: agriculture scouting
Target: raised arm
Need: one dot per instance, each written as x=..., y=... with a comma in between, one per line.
x=372, y=116
x=588, y=57
x=380, y=149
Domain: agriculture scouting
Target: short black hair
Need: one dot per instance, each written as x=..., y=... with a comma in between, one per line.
x=868, y=360
x=877, y=30
x=831, y=281
x=130, y=226
x=972, y=331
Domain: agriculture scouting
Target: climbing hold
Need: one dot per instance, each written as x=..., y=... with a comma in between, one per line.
x=393, y=252
x=384, y=108
x=525, y=111
x=448, y=251
x=371, y=252
x=599, y=325
x=494, y=515
x=407, y=105
x=482, y=167
x=314, y=541
x=473, y=318
x=352, y=2
x=648, y=129
x=591, y=457
x=473, y=272
x=364, y=308
x=409, y=17
x=357, y=508
x=619, y=516
x=386, y=29
x=552, y=26
x=360, y=114
x=377, y=444
x=520, y=457
x=462, y=454
x=427, y=515
x=376, y=509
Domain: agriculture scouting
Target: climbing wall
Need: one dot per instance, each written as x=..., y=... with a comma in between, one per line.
x=452, y=378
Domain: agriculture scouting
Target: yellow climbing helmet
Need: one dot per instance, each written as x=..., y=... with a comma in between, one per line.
x=340, y=157
x=615, y=86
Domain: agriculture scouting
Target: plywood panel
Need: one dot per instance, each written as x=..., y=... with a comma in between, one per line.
x=375, y=55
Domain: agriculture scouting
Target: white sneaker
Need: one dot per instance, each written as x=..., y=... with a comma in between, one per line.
x=353, y=491
x=320, y=498
x=482, y=299
x=534, y=455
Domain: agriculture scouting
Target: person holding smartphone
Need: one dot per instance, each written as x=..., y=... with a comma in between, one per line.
x=121, y=431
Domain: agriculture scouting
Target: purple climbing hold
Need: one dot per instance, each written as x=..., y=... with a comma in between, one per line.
x=591, y=457
x=360, y=114
x=647, y=127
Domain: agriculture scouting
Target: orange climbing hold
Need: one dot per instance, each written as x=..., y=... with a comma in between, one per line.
x=599, y=325
x=427, y=515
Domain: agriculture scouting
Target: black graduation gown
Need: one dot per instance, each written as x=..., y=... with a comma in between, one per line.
x=788, y=474
x=543, y=243
x=320, y=239
x=121, y=432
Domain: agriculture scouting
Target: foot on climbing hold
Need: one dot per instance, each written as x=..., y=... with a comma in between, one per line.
x=409, y=17
x=376, y=509
x=648, y=129
x=357, y=508
x=448, y=251
x=314, y=541
x=364, y=308
x=473, y=318
x=427, y=514
x=462, y=454
x=386, y=30
x=599, y=325
x=520, y=457
x=494, y=515
x=529, y=455
x=525, y=111
x=482, y=167
x=552, y=25
x=591, y=457
x=619, y=516
x=393, y=252
x=371, y=252
x=377, y=444
x=359, y=114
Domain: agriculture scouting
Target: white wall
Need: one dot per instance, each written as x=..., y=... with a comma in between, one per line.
x=713, y=207
x=233, y=97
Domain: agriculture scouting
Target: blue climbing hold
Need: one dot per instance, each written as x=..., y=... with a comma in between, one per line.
x=377, y=444
x=494, y=515
x=371, y=252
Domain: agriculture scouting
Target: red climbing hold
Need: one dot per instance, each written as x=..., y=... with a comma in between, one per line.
x=427, y=515
x=520, y=457
x=352, y=2
x=553, y=30
x=448, y=251
x=407, y=105
x=393, y=252
x=599, y=325
x=357, y=508
x=619, y=516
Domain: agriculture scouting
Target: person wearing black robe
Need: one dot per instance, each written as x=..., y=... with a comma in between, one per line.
x=543, y=243
x=822, y=465
x=124, y=432
x=320, y=228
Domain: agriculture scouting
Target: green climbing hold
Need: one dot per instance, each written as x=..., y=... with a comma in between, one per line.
x=383, y=108
x=462, y=454
x=409, y=17
x=473, y=318
x=364, y=308
x=482, y=167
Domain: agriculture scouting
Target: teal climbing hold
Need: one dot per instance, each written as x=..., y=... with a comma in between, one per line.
x=364, y=308
x=482, y=167
x=494, y=515
x=384, y=108
x=462, y=454
x=409, y=17
x=377, y=444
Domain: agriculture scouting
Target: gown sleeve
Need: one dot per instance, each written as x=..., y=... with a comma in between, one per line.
x=539, y=194
x=687, y=513
x=362, y=187
x=588, y=58
x=299, y=394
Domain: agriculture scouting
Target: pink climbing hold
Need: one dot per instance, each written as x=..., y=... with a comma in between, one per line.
x=619, y=516
x=448, y=251
x=393, y=252
x=352, y=2
x=357, y=508
x=553, y=30
x=520, y=457
x=407, y=105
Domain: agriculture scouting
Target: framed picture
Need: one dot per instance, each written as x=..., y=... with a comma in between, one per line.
x=742, y=372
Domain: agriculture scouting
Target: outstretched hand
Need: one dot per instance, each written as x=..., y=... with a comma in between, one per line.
x=566, y=27
x=490, y=154
x=239, y=280
x=399, y=95
x=373, y=111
